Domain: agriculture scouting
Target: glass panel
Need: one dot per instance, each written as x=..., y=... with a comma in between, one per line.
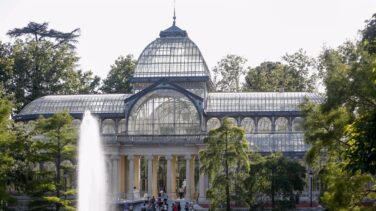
x=248, y=124
x=108, y=126
x=213, y=123
x=264, y=125
x=121, y=126
x=281, y=124
x=164, y=112
x=298, y=124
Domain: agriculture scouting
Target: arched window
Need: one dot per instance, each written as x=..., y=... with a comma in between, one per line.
x=281, y=124
x=163, y=112
x=298, y=124
x=264, y=125
x=213, y=123
x=233, y=120
x=121, y=126
x=248, y=124
x=108, y=126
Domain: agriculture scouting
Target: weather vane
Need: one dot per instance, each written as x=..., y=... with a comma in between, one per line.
x=174, y=15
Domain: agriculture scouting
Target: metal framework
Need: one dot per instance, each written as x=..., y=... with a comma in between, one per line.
x=172, y=103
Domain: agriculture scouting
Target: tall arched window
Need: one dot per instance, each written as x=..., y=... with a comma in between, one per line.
x=264, y=125
x=163, y=112
x=298, y=124
x=213, y=123
x=108, y=126
x=281, y=124
x=248, y=124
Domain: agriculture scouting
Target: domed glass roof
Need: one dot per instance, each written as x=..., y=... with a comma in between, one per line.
x=173, y=54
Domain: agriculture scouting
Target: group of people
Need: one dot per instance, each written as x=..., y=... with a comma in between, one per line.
x=161, y=204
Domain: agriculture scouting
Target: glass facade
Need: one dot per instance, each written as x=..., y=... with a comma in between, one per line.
x=171, y=57
x=164, y=112
x=258, y=101
x=106, y=103
x=183, y=109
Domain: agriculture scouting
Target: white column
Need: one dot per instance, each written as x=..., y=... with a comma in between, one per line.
x=149, y=158
x=169, y=172
x=201, y=185
x=130, y=177
x=115, y=174
x=188, y=176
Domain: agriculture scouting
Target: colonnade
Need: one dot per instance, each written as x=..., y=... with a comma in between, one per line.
x=124, y=175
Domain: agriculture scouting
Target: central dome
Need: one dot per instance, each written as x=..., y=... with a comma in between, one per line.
x=173, y=54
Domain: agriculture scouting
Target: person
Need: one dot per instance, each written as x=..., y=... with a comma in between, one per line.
x=165, y=207
x=175, y=207
x=186, y=207
x=126, y=207
x=143, y=207
x=181, y=192
x=179, y=206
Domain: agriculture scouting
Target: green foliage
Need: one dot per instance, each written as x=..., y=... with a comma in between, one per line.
x=342, y=129
x=277, y=177
x=44, y=62
x=225, y=161
x=117, y=80
x=54, y=145
x=295, y=74
x=228, y=72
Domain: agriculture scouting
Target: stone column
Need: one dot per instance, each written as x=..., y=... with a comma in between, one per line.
x=115, y=174
x=155, y=176
x=192, y=177
x=149, y=159
x=188, y=176
x=173, y=176
x=169, y=180
x=201, y=186
x=130, y=177
x=137, y=172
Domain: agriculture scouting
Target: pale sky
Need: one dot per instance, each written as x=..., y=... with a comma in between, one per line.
x=257, y=30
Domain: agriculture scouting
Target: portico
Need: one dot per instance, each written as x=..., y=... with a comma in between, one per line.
x=136, y=170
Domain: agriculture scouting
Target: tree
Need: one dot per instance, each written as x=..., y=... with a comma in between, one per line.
x=295, y=73
x=44, y=62
x=228, y=72
x=117, y=80
x=55, y=145
x=223, y=160
x=6, y=160
x=341, y=129
x=275, y=176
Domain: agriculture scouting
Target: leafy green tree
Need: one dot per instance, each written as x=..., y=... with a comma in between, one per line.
x=228, y=73
x=56, y=144
x=6, y=160
x=117, y=80
x=223, y=160
x=40, y=62
x=342, y=129
x=296, y=72
x=275, y=176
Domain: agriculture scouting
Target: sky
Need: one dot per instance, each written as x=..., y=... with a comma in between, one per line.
x=262, y=30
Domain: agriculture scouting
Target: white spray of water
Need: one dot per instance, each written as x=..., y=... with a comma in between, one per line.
x=92, y=187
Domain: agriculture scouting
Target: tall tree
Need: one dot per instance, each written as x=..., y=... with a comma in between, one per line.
x=343, y=126
x=223, y=160
x=117, y=80
x=6, y=160
x=57, y=146
x=296, y=72
x=40, y=62
x=228, y=73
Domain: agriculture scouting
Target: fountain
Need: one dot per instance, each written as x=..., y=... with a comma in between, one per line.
x=92, y=187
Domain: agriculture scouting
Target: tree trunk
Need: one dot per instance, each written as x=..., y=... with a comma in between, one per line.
x=228, y=206
x=58, y=161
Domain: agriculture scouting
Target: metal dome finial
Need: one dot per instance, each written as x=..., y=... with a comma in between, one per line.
x=173, y=23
